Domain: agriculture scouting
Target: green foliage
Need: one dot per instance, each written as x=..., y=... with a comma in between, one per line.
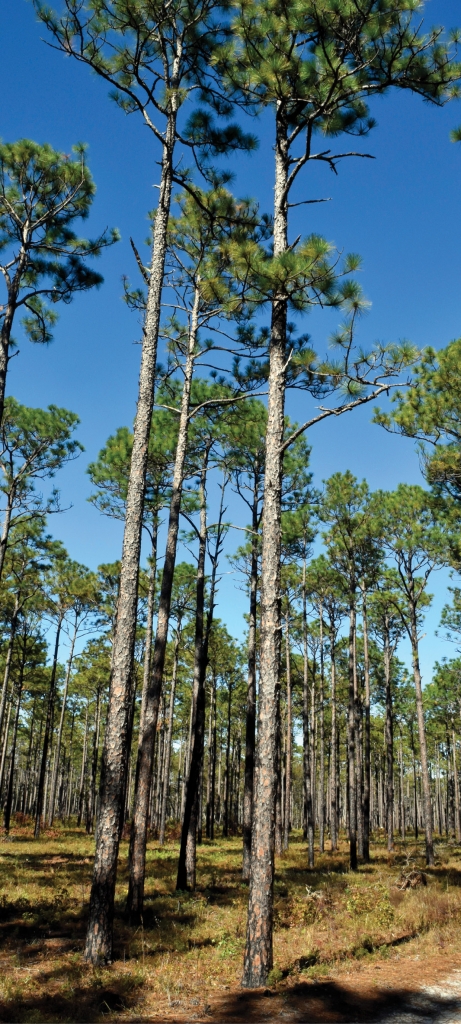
x=42, y=194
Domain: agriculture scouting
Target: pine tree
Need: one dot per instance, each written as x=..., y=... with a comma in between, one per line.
x=42, y=194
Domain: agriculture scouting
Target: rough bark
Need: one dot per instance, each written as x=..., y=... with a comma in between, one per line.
x=333, y=760
x=98, y=947
x=389, y=741
x=147, y=733
x=250, y=722
x=427, y=805
x=352, y=778
x=289, y=738
x=322, y=742
x=258, y=950
x=308, y=806
x=367, y=739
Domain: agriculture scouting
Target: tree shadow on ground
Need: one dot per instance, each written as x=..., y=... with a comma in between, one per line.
x=328, y=1001
x=109, y=998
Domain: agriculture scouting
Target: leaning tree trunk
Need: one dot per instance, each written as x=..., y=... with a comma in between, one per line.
x=427, y=805
x=250, y=723
x=47, y=733
x=98, y=947
x=258, y=956
x=54, y=779
x=148, y=727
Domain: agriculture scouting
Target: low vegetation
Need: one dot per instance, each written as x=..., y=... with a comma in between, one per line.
x=187, y=957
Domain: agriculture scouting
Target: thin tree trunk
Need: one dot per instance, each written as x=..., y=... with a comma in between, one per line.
x=352, y=778
x=322, y=742
x=94, y=764
x=137, y=859
x=9, y=794
x=226, y=800
x=9, y=654
x=81, y=792
x=389, y=741
x=289, y=737
x=47, y=733
x=166, y=776
x=427, y=805
x=193, y=807
x=456, y=785
x=186, y=865
x=250, y=723
x=308, y=808
x=60, y=730
x=98, y=947
x=258, y=956
x=333, y=760
x=367, y=739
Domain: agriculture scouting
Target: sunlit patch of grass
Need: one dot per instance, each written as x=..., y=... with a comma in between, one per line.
x=191, y=944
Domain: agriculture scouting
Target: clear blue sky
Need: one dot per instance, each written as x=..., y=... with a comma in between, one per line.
x=401, y=212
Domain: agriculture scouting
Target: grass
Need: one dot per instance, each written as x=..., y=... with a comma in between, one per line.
x=189, y=950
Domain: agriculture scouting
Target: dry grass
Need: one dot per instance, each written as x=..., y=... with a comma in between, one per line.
x=189, y=951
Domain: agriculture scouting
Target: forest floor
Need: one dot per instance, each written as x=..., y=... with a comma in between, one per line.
x=347, y=946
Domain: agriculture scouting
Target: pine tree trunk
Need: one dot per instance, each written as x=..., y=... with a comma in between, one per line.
x=333, y=760
x=186, y=862
x=367, y=739
x=308, y=809
x=147, y=733
x=47, y=734
x=250, y=723
x=226, y=800
x=258, y=951
x=98, y=948
x=456, y=786
x=94, y=765
x=7, y=324
x=60, y=730
x=322, y=743
x=389, y=741
x=166, y=777
x=289, y=737
x=81, y=792
x=9, y=653
x=352, y=790
x=149, y=620
x=422, y=740
x=8, y=510
x=9, y=794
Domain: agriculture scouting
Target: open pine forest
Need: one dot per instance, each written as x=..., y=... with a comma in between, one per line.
x=207, y=816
